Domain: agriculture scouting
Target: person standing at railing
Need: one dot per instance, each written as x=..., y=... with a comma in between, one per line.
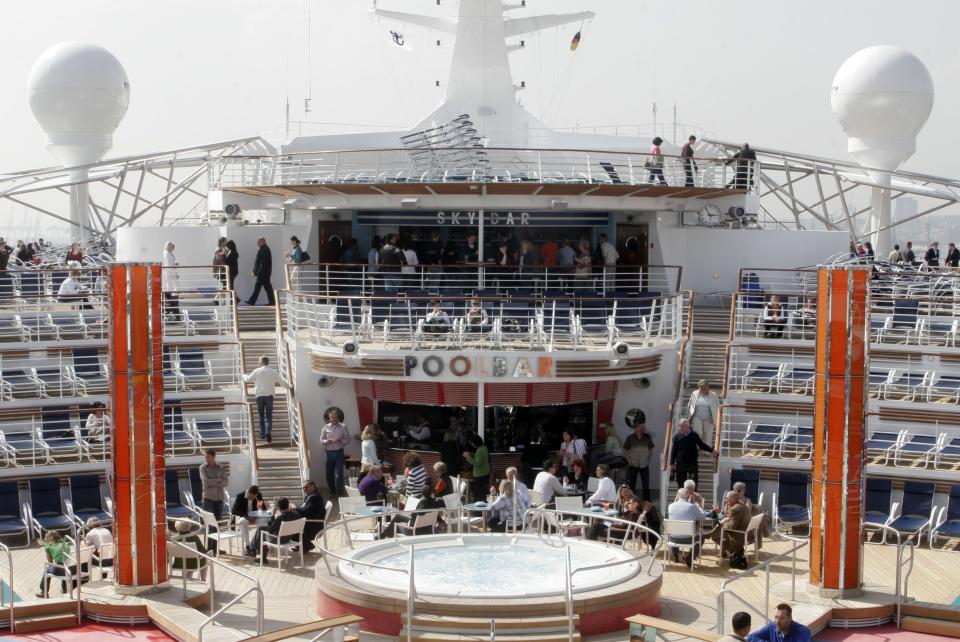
x=232, y=261
x=953, y=257
x=471, y=251
x=703, y=410
x=479, y=458
x=170, y=281
x=296, y=256
x=932, y=256
x=74, y=254
x=655, y=163
x=608, y=258
x=265, y=380
x=745, y=159
x=909, y=256
x=583, y=262
x=548, y=253
x=391, y=262
x=220, y=262
x=689, y=165
x=335, y=437
x=262, y=270
x=411, y=261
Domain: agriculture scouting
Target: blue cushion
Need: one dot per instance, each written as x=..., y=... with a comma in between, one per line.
x=794, y=514
x=11, y=525
x=908, y=524
x=53, y=522
x=950, y=528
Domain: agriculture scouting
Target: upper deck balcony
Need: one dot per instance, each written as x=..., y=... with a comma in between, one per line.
x=479, y=171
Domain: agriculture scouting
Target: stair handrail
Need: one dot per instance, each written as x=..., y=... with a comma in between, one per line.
x=212, y=564
x=675, y=409
x=9, y=566
x=902, y=580
x=568, y=594
x=321, y=627
x=298, y=435
x=251, y=439
x=765, y=565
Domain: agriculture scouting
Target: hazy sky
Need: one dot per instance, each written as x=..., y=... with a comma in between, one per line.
x=756, y=70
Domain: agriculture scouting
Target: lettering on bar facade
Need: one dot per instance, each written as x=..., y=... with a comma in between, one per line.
x=471, y=218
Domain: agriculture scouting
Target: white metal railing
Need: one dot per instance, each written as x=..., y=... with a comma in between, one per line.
x=527, y=323
x=443, y=280
x=193, y=369
x=480, y=165
x=212, y=563
x=891, y=281
x=765, y=566
x=6, y=563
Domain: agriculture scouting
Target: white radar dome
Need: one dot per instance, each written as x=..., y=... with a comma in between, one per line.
x=79, y=93
x=882, y=97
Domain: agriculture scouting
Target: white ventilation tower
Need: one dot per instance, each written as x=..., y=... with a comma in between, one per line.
x=882, y=96
x=79, y=93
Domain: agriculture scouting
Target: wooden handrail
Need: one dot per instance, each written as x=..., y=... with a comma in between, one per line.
x=666, y=626
x=303, y=629
x=678, y=385
x=243, y=383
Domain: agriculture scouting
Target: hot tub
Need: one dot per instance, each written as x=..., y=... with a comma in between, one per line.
x=484, y=566
x=489, y=575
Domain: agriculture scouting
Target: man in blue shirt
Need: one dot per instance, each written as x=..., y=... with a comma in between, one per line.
x=782, y=628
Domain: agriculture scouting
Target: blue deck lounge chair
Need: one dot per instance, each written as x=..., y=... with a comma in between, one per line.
x=948, y=522
x=762, y=436
x=764, y=375
x=86, y=500
x=175, y=507
x=12, y=523
x=878, y=510
x=790, y=506
x=46, y=507
x=916, y=511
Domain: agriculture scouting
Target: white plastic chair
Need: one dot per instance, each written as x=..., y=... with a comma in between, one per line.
x=421, y=520
x=225, y=535
x=76, y=561
x=680, y=528
x=293, y=530
x=752, y=527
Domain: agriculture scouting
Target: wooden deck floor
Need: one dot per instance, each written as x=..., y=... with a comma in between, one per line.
x=689, y=597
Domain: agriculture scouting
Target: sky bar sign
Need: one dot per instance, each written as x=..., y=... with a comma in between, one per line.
x=471, y=218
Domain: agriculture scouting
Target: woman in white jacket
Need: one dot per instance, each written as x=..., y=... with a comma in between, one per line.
x=170, y=281
x=703, y=411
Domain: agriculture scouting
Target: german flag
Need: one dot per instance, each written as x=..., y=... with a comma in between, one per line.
x=575, y=42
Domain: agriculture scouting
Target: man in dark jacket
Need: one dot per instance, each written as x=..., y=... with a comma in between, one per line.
x=685, y=455
x=953, y=256
x=262, y=268
x=245, y=503
x=314, y=510
x=932, y=257
x=284, y=512
x=391, y=260
x=746, y=159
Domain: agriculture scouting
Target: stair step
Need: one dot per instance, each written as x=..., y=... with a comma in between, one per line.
x=47, y=622
x=930, y=626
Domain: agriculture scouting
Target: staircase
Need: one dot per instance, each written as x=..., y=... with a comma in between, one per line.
x=932, y=619
x=447, y=628
x=708, y=360
x=278, y=466
x=43, y=616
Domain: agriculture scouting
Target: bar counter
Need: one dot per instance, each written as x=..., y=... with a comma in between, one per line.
x=499, y=462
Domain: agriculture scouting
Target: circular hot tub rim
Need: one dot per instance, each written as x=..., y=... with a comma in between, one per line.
x=630, y=564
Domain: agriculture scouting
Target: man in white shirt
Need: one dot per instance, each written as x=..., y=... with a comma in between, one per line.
x=685, y=510
x=98, y=424
x=523, y=494
x=606, y=489
x=610, y=256
x=265, y=380
x=547, y=484
x=420, y=433
x=72, y=290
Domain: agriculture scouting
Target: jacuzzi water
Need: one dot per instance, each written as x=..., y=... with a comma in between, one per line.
x=487, y=566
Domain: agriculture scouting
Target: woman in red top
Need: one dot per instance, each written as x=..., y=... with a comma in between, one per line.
x=75, y=253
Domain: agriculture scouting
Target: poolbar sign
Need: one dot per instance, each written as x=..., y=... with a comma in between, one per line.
x=471, y=218
x=463, y=367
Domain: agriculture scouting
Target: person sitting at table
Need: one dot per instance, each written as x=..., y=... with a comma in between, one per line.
x=651, y=519
x=284, y=512
x=372, y=487
x=444, y=485
x=547, y=483
x=428, y=501
x=522, y=490
x=629, y=511
x=314, y=510
x=437, y=320
x=606, y=490
x=736, y=517
x=415, y=475
x=755, y=509
x=689, y=493
x=686, y=510
x=624, y=496
x=578, y=476
x=185, y=560
x=612, y=452
x=421, y=432
x=244, y=503
x=507, y=508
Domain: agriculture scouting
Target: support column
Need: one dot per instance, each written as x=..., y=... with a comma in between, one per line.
x=836, y=534
x=136, y=355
